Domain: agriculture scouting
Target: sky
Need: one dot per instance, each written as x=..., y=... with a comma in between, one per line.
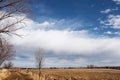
x=73, y=33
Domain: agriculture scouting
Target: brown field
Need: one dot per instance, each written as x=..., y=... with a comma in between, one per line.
x=60, y=74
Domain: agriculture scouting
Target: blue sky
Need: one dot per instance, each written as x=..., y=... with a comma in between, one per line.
x=89, y=13
x=73, y=33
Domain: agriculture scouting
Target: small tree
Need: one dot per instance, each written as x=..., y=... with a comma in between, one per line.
x=39, y=56
x=8, y=65
x=90, y=66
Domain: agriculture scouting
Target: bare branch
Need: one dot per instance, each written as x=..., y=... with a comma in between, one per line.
x=10, y=9
x=6, y=51
x=10, y=28
x=10, y=4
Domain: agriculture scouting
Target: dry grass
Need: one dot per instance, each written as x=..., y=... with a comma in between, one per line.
x=83, y=74
x=14, y=75
x=66, y=74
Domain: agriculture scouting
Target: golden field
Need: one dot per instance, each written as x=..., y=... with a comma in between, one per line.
x=60, y=74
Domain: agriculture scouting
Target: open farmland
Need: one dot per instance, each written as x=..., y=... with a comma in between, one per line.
x=61, y=74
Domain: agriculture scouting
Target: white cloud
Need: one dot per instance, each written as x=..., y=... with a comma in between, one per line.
x=118, y=33
x=117, y=1
x=69, y=42
x=45, y=24
x=96, y=28
x=51, y=24
x=65, y=42
x=115, y=33
x=108, y=10
x=108, y=32
x=113, y=21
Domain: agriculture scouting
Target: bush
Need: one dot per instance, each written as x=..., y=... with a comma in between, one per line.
x=8, y=65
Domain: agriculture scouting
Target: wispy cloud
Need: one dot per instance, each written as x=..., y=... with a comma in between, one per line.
x=113, y=21
x=117, y=1
x=110, y=32
x=108, y=10
x=54, y=24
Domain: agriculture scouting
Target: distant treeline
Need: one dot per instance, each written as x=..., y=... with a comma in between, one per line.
x=87, y=67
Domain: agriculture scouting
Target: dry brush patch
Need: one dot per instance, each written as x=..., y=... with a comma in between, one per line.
x=14, y=75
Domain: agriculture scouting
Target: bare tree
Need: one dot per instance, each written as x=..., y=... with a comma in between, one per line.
x=11, y=20
x=39, y=56
x=6, y=51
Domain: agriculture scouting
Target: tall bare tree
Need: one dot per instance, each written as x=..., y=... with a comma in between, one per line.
x=11, y=12
x=39, y=56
